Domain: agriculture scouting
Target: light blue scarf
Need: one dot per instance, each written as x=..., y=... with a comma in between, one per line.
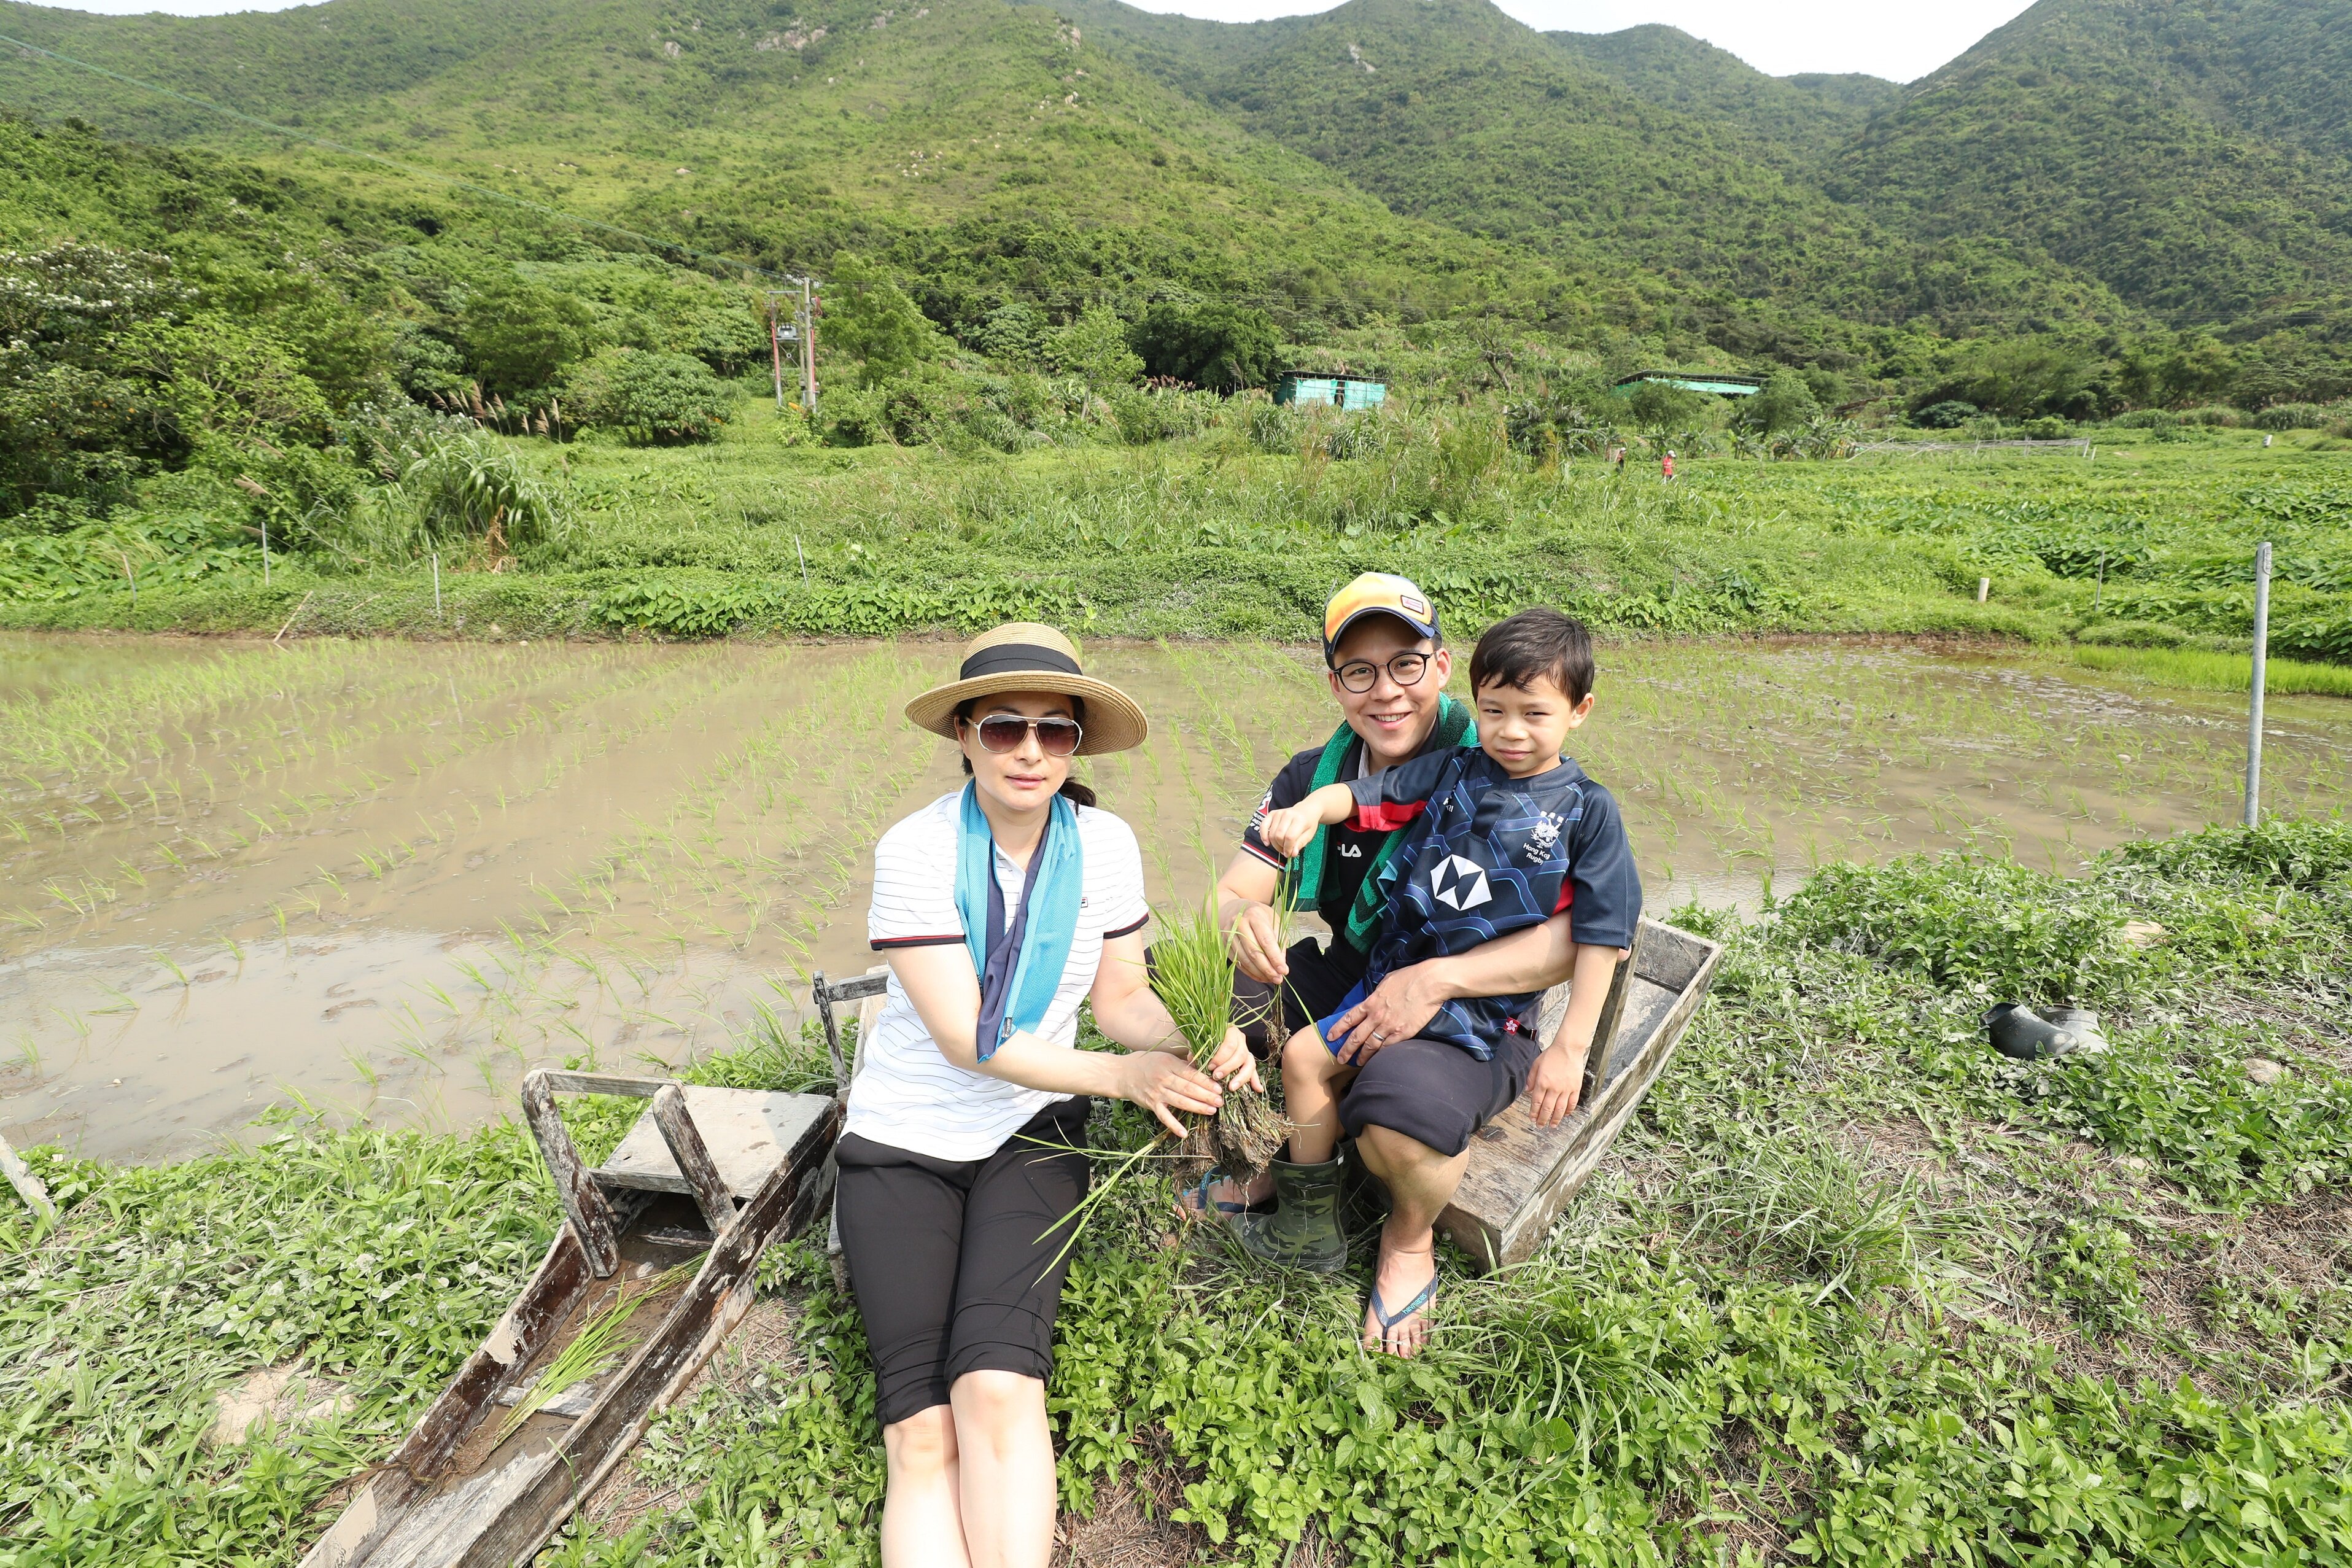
x=1019, y=966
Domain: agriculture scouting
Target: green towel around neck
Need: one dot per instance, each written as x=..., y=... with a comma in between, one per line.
x=1455, y=727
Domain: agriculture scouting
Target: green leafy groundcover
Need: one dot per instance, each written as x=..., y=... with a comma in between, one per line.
x=1853, y=1290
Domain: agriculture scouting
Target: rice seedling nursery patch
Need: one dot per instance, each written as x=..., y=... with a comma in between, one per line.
x=1850, y=1289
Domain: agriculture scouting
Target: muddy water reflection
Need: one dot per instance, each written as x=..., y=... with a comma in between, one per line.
x=381, y=880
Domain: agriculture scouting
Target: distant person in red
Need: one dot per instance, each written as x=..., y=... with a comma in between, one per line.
x=1617, y=457
x=1666, y=469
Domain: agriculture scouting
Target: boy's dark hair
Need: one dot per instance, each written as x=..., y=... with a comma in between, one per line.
x=1518, y=650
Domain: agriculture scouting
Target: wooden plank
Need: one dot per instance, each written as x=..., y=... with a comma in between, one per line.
x=29, y=1187
x=561, y=1080
x=585, y=1203
x=661, y=1368
x=1609, y=1038
x=519, y=1335
x=746, y=1132
x=1522, y=1175
x=693, y=1159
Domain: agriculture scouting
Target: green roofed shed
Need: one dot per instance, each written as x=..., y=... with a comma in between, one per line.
x=1329, y=389
x=1716, y=382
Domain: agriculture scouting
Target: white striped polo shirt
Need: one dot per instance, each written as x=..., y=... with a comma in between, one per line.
x=907, y=1094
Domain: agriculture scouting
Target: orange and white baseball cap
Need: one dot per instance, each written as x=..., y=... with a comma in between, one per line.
x=1376, y=594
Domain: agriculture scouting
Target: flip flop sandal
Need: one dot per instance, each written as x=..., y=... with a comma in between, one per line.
x=1388, y=1320
x=1195, y=1202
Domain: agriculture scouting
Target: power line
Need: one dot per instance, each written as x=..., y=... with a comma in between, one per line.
x=394, y=164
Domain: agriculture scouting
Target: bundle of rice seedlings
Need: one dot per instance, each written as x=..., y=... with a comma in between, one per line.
x=1193, y=974
x=594, y=1351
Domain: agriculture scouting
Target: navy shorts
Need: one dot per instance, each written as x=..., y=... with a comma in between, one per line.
x=1437, y=1093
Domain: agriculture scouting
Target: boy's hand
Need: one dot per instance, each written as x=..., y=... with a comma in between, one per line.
x=1232, y=1066
x=1287, y=831
x=1556, y=1085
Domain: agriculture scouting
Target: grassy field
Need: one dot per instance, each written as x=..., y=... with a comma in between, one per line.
x=1242, y=529
x=2199, y=669
x=1852, y=1289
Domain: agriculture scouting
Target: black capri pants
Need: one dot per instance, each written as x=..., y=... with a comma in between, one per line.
x=952, y=1261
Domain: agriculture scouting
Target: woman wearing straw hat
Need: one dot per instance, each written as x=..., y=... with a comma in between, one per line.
x=1001, y=906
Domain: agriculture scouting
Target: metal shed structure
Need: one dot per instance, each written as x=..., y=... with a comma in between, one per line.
x=1329, y=389
x=1720, y=383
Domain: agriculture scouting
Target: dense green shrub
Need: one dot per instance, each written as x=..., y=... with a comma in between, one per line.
x=2282, y=852
x=1948, y=415
x=1214, y=346
x=868, y=318
x=1992, y=925
x=646, y=396
x=1786, y=403
x=518, y=336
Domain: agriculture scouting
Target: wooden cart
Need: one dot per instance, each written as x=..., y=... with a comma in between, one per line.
x=717, y=1174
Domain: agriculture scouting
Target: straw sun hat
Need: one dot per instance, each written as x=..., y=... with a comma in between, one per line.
x=1022, y=656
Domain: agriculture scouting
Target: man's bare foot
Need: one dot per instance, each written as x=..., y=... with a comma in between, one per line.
x=1224, y=1196
x=1404, y=1273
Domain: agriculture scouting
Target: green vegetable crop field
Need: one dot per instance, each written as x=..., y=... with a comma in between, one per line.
x=1244, y=527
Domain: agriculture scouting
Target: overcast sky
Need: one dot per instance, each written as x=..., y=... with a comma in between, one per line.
x=1783, y=36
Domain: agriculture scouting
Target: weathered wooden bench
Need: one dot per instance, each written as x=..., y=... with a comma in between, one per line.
x=1522, y=1175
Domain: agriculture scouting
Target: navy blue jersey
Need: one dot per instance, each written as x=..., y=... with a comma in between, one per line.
x=1490, y=855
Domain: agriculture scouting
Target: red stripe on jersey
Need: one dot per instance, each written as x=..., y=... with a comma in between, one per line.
x=1382, y=817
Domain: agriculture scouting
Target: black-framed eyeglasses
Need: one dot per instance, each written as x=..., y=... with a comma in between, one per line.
x=1360, y=675
x=1056, y=736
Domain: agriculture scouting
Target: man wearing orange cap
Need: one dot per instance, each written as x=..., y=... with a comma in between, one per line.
x=1388, y=664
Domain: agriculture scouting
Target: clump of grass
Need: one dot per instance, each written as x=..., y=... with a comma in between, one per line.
x=2199, y=669
x=1798, y=1206
x=1193, y=974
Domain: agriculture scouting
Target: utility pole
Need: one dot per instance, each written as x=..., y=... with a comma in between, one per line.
x=810, y=305
x=776, y=349
x=2254, y=710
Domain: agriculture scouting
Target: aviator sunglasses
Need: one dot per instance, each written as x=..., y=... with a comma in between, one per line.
x=1057, y=737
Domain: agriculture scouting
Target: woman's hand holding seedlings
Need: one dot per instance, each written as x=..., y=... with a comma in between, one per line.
x=1164, y=1082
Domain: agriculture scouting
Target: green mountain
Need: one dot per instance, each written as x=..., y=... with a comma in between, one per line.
x=2102, y=168
x=1646, y=153
x=2193, y=156
x=984, y=146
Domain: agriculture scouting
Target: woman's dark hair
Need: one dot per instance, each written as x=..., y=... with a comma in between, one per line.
x=1076, y=793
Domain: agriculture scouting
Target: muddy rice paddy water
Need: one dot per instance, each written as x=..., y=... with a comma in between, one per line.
x=381, y=880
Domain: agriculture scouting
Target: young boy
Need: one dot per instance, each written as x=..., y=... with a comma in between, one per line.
x=1509, y=835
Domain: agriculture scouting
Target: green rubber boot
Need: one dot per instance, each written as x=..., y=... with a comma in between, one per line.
x=1303, y=1232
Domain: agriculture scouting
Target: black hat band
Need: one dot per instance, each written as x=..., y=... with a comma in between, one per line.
x=1010, y=657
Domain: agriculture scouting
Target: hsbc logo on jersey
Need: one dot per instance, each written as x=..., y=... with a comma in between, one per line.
x=1458, y=884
